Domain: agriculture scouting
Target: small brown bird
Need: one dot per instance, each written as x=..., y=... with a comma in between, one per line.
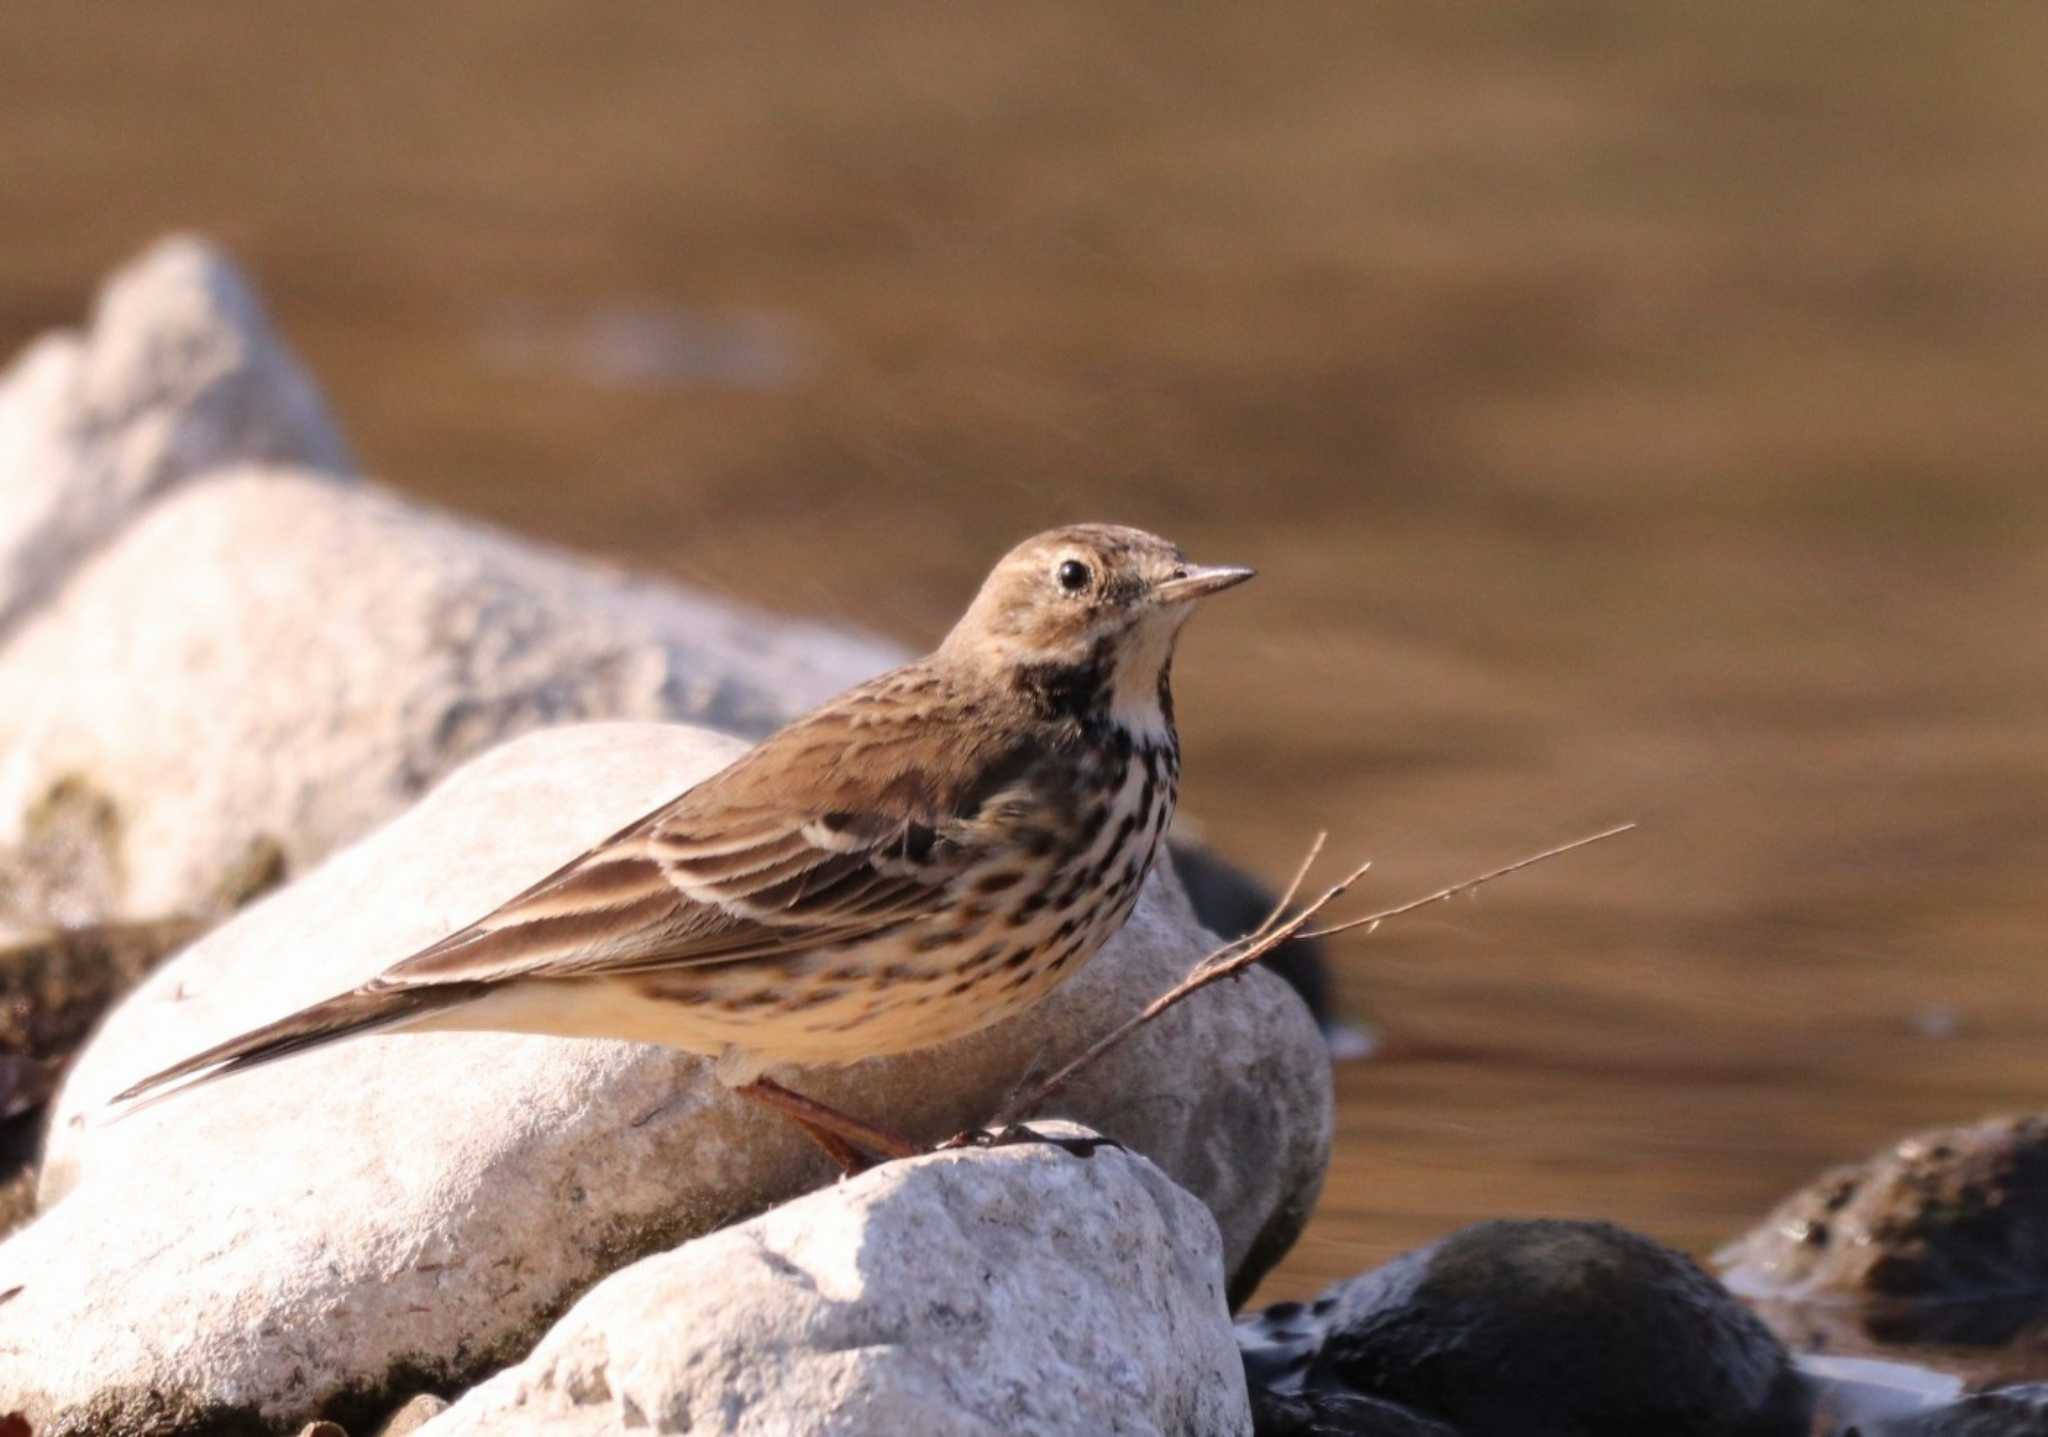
x=919, y=858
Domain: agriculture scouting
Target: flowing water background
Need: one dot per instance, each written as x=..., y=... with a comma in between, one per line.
x=1635, y=411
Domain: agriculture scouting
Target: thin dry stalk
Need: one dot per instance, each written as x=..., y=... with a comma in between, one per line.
x=1240, y=953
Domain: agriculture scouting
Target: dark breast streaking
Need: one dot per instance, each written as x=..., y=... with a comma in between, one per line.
x=1080, y=826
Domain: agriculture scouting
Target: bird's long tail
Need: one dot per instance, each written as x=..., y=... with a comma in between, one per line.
x=366, y=1010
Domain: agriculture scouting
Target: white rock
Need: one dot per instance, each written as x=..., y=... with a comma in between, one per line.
x=178, y=374
x=1018, y=1291
x=270, y=662
x=421, y=1204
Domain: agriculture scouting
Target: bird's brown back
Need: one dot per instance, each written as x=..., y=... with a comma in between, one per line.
x=853, y=819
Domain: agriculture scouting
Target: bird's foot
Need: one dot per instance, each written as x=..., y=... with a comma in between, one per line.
x=1014, y=1134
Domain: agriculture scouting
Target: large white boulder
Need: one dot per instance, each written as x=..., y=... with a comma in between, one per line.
x=267, y=665
x=1023, y=1290
x=409, y=1211
x=179, y=373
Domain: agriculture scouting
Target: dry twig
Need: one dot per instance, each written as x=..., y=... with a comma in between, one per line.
x=1240, y=953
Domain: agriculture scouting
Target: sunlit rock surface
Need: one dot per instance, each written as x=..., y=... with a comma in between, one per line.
x=1019, y=1290
x=177, y=374
x=272, y=664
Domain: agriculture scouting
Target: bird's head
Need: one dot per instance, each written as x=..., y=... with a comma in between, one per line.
x=1088, y=613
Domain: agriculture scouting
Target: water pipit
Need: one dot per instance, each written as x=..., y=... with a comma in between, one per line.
x=921, y=857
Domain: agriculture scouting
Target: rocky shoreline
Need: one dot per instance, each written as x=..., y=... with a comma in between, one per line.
x=273, y=725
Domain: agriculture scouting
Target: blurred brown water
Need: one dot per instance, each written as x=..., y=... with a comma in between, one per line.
x=1635, y=411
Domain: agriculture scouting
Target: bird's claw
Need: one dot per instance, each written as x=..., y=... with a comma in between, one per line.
x=1014, y=1134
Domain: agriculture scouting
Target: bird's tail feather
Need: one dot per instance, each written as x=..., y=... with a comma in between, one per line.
x=350, y=1015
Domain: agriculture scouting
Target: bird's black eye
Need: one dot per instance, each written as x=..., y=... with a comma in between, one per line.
x=1073, y=576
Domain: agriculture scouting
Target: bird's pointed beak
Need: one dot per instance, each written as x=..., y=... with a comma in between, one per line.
x=1199, y=583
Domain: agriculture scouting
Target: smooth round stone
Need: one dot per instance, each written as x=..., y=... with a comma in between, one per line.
x=1537, y=1329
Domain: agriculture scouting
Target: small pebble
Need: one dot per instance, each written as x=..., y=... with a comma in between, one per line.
x=414, y=1415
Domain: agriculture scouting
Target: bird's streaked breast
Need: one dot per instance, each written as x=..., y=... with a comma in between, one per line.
x=1069, y=845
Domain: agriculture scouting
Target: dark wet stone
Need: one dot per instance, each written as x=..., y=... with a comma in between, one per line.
x=2003, y=1412
x=1338, y=1414
x=1231, y=903
x=1942, y=1238
x=1278, y=1344
x=1538, y=1329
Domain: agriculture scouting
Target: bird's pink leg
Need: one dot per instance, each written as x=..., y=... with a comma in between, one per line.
x=851, y=1160
x=841, y=1135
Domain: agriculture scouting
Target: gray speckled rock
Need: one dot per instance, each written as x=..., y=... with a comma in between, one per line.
x=178, y=374
x=408, y=1211
x=1019, y=1290
x=271, y=664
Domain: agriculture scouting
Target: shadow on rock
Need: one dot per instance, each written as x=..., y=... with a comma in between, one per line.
x=53, y=990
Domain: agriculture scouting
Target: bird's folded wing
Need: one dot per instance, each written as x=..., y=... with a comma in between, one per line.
x=658, y=896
